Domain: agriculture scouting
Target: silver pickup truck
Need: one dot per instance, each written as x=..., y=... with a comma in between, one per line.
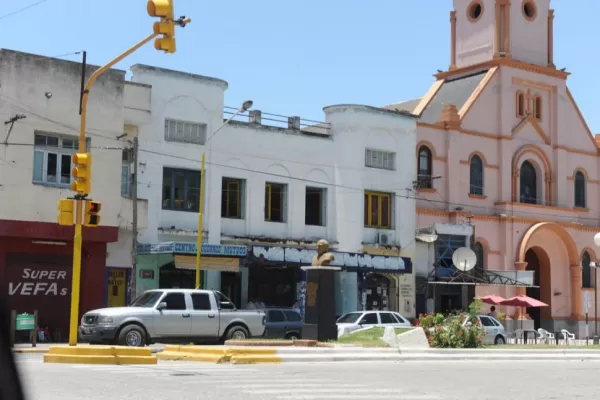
x=171, y=315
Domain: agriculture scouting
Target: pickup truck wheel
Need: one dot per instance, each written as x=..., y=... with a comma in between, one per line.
x=237, y=333
x=132, y=336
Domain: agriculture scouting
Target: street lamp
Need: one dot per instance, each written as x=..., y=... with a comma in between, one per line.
x=245, y=107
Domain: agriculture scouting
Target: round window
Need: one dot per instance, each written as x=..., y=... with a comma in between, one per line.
x=474, y=11
x=529, y=10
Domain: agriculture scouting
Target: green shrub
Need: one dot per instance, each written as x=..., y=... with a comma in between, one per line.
x=449, y=332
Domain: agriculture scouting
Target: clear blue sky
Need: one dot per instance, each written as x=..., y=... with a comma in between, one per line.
x=293, y=58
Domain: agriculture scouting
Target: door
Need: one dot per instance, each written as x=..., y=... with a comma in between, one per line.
x=491, y=330
x=231, y=287
x=175, y=319
x=205, y=318
x=116, y=287
x=275, y=324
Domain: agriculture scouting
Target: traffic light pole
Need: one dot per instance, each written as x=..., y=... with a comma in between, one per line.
x=79, y=198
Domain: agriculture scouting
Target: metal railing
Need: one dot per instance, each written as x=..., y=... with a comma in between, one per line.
x=259, y=118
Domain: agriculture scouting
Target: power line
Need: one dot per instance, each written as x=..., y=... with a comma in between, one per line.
x=20, y=10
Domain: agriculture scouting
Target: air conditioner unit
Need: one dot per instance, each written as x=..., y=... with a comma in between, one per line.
x=385, y=238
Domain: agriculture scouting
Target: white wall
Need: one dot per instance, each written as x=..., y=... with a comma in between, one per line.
x=259, y=154
x=25, y=82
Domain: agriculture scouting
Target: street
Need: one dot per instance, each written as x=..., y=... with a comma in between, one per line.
x=372, y=380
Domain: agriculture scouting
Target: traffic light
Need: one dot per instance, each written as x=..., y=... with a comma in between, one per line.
x=166, y=27
x=82, y=172
x=92, y=210
x=65, y=212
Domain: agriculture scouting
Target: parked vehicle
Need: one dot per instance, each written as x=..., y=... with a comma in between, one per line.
x=494, y=330
x=172, y=315
x=283, y=323
x=364, y=319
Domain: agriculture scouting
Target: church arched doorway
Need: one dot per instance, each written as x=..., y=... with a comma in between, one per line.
x=538, y=261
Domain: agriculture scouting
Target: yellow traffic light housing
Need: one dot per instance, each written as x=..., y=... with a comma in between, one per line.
x=92, y=210
x=65, y=212
x=166, y=27
x=82, y=172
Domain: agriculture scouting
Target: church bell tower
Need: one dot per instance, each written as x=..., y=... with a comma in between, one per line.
x=483, y=30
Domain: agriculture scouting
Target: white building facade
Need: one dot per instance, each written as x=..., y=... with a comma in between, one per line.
x=273, y=189
x=39, y=103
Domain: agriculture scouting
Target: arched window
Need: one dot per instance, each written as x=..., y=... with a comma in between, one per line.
x=480, y=253
x=537, y=108
x=424, y=168
x=586, y=274
x=528, y=184
x=476, y=175
x=520, y=104
x=579, y=189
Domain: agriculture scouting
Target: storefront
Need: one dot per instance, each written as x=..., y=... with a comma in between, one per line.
x=173, y=265
x=36, y=261
x=276, y=278
x=117, y=279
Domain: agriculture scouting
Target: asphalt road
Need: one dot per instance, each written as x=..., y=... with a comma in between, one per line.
x=388, y=380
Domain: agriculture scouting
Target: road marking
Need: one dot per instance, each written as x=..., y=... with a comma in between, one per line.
x=291, y=386
x=358, y=396
x=340, y=388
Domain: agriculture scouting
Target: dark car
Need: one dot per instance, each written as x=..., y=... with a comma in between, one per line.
x=283, y=323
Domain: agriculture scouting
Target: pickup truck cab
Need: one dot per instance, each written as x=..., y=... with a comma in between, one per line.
x=171, y=315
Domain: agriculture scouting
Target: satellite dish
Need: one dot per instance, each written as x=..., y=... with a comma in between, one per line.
x=464, y=259
x=597, y=239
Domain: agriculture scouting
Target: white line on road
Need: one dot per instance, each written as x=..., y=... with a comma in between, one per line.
x=293, y=385
x=338, y=389
x=361, y=396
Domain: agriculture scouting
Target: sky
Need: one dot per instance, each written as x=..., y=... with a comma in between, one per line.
x=292, y=58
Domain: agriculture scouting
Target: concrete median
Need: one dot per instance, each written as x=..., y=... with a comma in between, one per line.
x=117, y=355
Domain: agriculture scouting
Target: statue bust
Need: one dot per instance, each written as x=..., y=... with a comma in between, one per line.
x=323, y=257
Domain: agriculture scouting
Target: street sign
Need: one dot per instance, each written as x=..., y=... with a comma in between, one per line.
x=25, y=322
x=587, y=301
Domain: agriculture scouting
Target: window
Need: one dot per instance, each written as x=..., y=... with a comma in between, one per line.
x=445, y=246
x=528, y=184
x=185, y=132
x=424, y=168
x=520, y=104
x=476, y=175
x=369, y=319
x=126, y=173
x=485, y=321
x=586, y=273
x=378, y=210
x=232, y=191
x=314, y=213
x=529, y=10
x=181, y=190
x=386, y=318
x=399, y=318
x=201, y=301
x=52, y=159
x=579, y=189
x=480, y=253
x=175, y=301
x=276, y=316
x=474, y=11
x=292, y=316
x=537, y=107
x=275, y=202
x=380, y=159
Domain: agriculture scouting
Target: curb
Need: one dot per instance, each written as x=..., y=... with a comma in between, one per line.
x=32, y=350
x=117, y=355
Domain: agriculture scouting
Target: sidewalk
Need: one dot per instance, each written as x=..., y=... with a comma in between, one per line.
x=43, y=348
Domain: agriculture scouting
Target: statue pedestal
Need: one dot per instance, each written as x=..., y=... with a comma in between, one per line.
x=319, y=309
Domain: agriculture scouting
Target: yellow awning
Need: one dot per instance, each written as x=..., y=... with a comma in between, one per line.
x=223, y=264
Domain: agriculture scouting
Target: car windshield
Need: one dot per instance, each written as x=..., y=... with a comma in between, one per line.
x=147, y=299
x=349, y=318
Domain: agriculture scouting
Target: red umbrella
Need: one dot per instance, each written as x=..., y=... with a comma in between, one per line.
x=522, y=301
x=492, y=299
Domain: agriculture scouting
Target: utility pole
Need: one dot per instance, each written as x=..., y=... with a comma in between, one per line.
x=134, y=180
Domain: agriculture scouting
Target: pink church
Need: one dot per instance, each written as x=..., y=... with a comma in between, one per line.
x=503, y=150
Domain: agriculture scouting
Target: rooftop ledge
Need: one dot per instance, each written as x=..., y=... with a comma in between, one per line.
x=550, y=209
x=341, y=107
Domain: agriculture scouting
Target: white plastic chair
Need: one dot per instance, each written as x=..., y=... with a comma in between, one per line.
x=545, y=335
x=567, y=335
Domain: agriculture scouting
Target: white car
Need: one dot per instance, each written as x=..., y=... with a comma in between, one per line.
x=365, y=319
x=494, y=330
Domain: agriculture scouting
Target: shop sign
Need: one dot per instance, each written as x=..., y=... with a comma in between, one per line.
x=39, y=282
x=346, y=260
x=190, y=248
x=146, y=274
